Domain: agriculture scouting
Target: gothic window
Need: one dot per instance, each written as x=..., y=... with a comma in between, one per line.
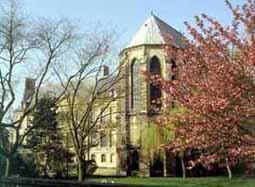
x=155, y=92
x=135, y=84
x=155, y=68
x=103, y=158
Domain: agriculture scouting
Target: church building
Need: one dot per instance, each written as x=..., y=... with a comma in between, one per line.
x=141, y=102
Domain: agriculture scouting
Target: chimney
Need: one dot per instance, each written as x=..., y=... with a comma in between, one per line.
x=28, y=92
x=105, y=70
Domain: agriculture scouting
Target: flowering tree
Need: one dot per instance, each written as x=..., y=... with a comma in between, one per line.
x=216, y=87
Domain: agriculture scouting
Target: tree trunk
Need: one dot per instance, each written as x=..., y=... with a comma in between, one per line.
x=80, y=170
x=183, y=167
x=164, y=164
x=228, y=169
x=45, y=168
x=8, y=166
x=181, y=156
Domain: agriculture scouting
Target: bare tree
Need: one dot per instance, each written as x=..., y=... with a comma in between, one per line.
x=89, y=96
x=20, y=42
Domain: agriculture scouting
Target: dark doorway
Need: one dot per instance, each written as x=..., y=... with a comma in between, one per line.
x=157, y=166
x=178, y=168
x=170, y=164
x=133, y=163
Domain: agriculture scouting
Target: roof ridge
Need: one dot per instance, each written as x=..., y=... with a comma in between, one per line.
x=166, y=24
x=155, y=31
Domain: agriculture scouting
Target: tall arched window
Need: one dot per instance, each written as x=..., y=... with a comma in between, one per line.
x=155, y=68
x=155, y=92
x=135, y=84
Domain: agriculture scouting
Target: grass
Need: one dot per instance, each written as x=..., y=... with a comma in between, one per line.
x=179, y=182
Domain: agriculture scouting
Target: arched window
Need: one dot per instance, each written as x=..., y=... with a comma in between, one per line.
x=155, y=92
x=155, y=68
x=135, y=84
x=103, y=158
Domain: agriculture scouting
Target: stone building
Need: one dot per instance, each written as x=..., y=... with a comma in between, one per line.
x=141, y=103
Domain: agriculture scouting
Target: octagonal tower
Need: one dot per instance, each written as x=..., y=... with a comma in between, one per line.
x=142, y=101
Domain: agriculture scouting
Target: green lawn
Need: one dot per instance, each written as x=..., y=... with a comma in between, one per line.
x=179, y=182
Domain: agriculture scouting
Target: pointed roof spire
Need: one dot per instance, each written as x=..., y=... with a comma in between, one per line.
x=156, y=32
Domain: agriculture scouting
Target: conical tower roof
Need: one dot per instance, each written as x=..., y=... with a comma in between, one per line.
x=156, y=32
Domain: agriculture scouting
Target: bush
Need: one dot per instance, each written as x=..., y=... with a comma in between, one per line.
x=91, y=167
x=24, y=165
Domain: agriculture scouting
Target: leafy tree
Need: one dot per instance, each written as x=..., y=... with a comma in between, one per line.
x=215, y=84
x=45, y=141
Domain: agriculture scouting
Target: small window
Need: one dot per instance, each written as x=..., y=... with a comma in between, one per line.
x=94, y=138
x=103, y=158
x=105, y=70
x=93, y=157
x=103, y=139
x=110, y=138
x=112, y=158
x=113, y=93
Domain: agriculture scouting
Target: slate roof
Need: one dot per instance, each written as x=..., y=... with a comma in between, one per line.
x=156, y=32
